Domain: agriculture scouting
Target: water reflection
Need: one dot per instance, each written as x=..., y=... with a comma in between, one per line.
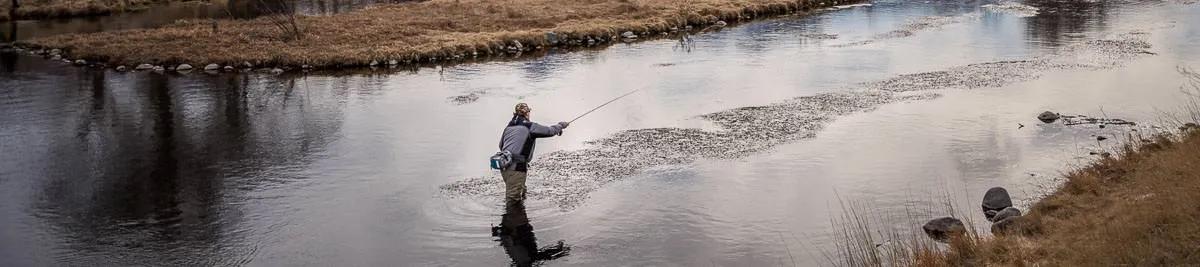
x=517, y=238
x=147, y=164
x=1058, y=20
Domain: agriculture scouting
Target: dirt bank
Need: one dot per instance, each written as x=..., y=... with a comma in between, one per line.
x=396, y=34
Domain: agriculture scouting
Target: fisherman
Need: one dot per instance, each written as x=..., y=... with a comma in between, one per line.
x=518, y=140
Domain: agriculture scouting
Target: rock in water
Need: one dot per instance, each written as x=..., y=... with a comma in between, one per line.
x=183, y=67
x=628, y=35
x=551, y=38
x=996, y=199
x=721, y=23
x=144, y=67
x=80, y=62
x=1048, y=117
x=212, y=67
x=227, y=68
x=1005, y=213
x=121, y=68
x=941, y=229
x=1006, y=226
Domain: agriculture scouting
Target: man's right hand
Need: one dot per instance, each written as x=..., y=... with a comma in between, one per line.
x=564, y=124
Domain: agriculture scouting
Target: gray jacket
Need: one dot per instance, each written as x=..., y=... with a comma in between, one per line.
x=518, y=139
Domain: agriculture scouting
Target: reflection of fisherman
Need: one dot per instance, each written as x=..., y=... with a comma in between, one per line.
x=518, y=139
x=516, y=235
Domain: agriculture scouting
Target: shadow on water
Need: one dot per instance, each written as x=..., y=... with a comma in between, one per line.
x=516, y=236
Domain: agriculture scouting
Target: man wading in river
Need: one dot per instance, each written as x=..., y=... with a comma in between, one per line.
x=518, y=140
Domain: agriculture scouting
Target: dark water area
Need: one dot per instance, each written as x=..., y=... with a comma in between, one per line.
x=167, y=13
x=895, y=105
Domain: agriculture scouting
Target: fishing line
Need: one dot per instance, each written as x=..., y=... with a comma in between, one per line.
x=602, y=105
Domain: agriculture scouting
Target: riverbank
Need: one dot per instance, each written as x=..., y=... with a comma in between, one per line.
x=1137, y=208
x=435, y=31
x=43, y=9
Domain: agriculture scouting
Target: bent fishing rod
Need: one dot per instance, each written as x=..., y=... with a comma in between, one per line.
x=602, y=105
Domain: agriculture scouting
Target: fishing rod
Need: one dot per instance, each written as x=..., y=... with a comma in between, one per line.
x=602, y=105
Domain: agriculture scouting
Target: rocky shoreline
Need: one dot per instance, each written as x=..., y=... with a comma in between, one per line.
x=524, y=44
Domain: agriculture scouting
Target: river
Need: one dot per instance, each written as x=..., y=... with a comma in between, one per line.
x=738, y=150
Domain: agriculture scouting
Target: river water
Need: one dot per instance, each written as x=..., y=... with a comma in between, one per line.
x=737, y=151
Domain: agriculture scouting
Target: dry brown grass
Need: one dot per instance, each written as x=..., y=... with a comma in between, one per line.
x=36, y=9
x=437, y=30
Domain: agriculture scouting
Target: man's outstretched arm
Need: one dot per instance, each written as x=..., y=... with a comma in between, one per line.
x=540, y=131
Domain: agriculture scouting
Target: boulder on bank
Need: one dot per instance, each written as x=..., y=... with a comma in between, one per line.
x=1007, y=225
x=628, y=35
x=212, y=67
x=1048, y=117
x=720, y=23
x=995, y=200
x=1005, y=213
x=941, y=229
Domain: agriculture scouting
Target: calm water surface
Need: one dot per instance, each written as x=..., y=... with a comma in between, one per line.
x=345, y=169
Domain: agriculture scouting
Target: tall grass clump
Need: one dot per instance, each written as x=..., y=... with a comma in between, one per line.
x=867, y=236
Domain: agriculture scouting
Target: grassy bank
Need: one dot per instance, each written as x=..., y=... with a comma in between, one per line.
x=432, y=31
x=1135, y=209
x=38, y=9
